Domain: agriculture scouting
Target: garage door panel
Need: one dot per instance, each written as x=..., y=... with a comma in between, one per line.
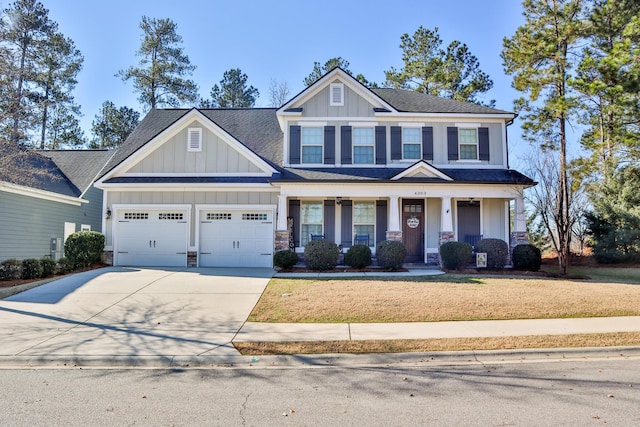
x=234, y=238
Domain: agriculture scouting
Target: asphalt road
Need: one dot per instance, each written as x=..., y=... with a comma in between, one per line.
x=575, y=393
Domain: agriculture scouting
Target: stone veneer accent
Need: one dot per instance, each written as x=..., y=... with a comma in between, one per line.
x=107, y=257
x=433, y=258
x=519, y=238
x=394, y=235
x=447, y=236
x=282, y=240
x=192, y=259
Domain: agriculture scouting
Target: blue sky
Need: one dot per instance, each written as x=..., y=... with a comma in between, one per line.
x=279, y=40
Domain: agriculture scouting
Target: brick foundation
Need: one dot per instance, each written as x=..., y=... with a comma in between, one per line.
x=107, y=257
x=192, y=259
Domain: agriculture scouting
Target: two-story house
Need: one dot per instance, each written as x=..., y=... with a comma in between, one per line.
x=228, y=187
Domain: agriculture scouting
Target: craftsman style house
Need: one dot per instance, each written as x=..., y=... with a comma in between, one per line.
x=339, y=161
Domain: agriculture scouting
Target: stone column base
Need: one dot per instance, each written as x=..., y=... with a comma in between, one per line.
x=447, y=236
x=282, y=240
x=107, y=257
x=192, y=259
x=519, y=238
x=394, y=235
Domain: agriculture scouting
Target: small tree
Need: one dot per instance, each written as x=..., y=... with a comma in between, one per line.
x=233, y=92
x=84, y=248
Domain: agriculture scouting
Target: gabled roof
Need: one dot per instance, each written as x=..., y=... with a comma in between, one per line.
x=256, y=128
x=422, y=169
x=80, y=166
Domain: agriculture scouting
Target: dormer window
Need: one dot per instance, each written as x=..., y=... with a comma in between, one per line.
x=336, y=95
x=194, y=139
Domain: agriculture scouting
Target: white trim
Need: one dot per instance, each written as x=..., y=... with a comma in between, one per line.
x=192, y=174
x=85, y=227
x=190, y=187
x=411, y=124
x=485, y=116
x=191, y=132
x=41, y=194
x=177, y=127
x=468, y=125
x=336, y=95
x=363, y=124
x=311, y=124
x=422, y=165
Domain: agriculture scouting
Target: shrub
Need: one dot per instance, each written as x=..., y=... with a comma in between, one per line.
x=285, y=259
x=321, y=255
x=31, y=268
x=11, y=269
x=497, y=252
x=358, y=256
x=64, y=266
x=526, y=257
x=455, y=255
x=390, y=254
x=49, y=267
x=84, y=248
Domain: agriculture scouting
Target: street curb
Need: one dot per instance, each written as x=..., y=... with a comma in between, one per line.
x=386, y=360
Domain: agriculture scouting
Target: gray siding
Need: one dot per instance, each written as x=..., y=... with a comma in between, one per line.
x=27, y=224
x=216, y=156
x=493, y=219
x=434, y=209
x=354, y=105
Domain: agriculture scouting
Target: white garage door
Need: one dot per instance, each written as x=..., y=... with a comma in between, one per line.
x=236, y=238
x=147, y=237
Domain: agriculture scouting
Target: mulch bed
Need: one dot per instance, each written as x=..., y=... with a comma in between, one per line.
x=12, y=283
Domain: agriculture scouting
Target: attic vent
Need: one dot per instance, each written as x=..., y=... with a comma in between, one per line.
x=336, y=95
x=194, y=139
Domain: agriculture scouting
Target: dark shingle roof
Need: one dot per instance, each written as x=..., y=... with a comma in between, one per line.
x=80, y=166
x=416, y=102
x=461, y=176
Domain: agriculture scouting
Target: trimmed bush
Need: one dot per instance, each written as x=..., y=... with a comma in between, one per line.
x=526, y=258
x=455, y=255
x=497, y=252
x=84, y=248
x=31, y=268
x=321, y=255
x=49, y=267
x=11, y=269
x=285, y=259
x=64, y=266
x=390, y=254
x=358, y=256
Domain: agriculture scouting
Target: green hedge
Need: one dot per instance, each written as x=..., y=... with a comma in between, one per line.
x=84, y=248
x=497, y=252
x=358, y=256
x=390, y=254
x=285, y=259
x=455, y=255
x=11, y=269
x=526, y=258
x=321, y=255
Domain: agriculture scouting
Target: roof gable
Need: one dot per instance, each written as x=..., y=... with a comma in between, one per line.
x=422, y=169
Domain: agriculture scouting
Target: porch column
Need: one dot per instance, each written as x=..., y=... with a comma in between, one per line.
x=519, y=236
x=446, y=223
x=394, y=232
x=282, y=233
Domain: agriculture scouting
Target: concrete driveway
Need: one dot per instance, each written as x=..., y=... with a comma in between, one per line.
x=120, y=312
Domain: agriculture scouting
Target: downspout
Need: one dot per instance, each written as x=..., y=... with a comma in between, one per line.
x=506, y=136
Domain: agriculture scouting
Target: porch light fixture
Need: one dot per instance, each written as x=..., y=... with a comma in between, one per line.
x=107, y=214
x=338, y=200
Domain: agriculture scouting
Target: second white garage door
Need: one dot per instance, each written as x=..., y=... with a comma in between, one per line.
x=236, y=238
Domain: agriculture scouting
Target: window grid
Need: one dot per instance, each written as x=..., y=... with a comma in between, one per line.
x=364, y=219
x=468, y=139
x=310, y=220
x=217, y=216
x=411, y=144
x=312, y=144
x=171, y=216
x=254, y=216
x=136, y=215
x=363, y=145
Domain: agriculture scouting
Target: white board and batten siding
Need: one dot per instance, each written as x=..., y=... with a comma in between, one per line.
x=235, y=236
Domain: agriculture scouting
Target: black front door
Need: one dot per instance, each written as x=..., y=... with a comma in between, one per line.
x=413, y=229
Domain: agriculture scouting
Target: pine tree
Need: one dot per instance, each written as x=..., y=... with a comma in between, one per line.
x=112, y=125
x=161, y=76
x=233, y=92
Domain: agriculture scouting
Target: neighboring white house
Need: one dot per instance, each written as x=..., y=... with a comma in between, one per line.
x=228, y=187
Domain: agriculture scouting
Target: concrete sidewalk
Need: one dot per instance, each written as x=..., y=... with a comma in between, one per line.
x=256, y=332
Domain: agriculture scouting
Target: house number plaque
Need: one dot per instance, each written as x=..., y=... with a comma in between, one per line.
x=413, y=222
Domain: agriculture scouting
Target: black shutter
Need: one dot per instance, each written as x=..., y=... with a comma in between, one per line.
x=381, y=221
x=329, y=145
x=294, y=144
x=329, y=220
x=347, y=224
x=483, y=144
x=452, y=143
x=396, y=143
x=345, y=144
x=294, y=211
x=381, y=145
x=427, y=143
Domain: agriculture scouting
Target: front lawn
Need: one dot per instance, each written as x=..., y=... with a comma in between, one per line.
x=610, y=292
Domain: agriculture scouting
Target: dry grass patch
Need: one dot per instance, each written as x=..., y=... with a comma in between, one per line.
x=444, y=344
x=445, y=298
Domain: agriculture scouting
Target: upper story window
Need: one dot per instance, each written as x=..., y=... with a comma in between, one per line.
x=311, y=144
x=336, y=94
x=194, y=139
x=311, y=221
x=363, y=146
x=411, y=144
x=468, y=139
